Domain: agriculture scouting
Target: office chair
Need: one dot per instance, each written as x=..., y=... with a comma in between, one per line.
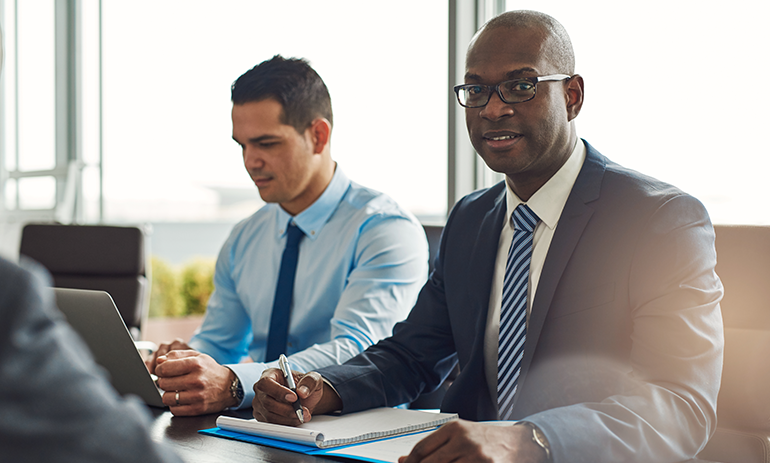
x=743, y=406
x=99, y=257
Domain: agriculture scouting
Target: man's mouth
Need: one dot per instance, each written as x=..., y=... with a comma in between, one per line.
x=501, y=140
x=261, y=181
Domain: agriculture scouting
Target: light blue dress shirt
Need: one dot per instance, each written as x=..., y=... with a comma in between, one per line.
x=362, y=262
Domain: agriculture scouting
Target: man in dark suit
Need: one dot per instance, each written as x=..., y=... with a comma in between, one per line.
x=621, y=355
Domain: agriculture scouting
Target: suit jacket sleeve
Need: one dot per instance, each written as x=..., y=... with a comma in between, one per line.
x=416, y=358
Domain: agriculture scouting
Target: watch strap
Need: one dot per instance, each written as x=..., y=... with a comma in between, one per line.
x=538, y=438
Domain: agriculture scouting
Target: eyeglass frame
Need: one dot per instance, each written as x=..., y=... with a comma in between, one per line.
x=496, y=88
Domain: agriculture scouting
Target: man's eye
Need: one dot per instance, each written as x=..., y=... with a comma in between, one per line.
x=520, y=86
x=475, y=90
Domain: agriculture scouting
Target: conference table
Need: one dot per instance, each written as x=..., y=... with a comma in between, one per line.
x=181, y=434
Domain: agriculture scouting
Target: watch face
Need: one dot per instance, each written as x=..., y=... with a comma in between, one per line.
x=236, y=389
x=538, y=438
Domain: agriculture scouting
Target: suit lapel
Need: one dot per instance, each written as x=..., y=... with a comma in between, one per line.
x=485, y=253
x=483, y=263
x=572, y=222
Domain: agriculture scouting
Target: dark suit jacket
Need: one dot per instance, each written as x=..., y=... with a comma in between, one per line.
x=623, y=354
x=55, y=403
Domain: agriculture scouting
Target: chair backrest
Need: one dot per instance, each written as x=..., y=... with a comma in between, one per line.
x=98, y=257
x=743, y=406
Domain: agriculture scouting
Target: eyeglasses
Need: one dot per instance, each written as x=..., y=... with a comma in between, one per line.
x=511, y=91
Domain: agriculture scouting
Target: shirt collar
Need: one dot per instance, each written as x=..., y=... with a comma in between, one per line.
x=312, y=219
x=549, y=200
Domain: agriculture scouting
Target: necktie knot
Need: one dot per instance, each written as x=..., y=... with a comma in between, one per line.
x=524, y=218
x=293, y=235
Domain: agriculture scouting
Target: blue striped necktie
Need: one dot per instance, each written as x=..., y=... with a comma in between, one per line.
x=279, y=320
x=513, y=310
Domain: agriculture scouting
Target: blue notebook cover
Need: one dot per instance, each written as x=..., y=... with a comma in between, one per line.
x=299, y=448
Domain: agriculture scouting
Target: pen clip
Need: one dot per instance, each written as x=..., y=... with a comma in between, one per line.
x=283, y=362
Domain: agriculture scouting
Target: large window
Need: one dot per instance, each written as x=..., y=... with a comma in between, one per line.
x=675, y=89
x=167, y=70
x=119, y=111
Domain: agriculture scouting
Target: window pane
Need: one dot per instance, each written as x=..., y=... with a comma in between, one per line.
x=168, y=152
x=90, y=182
x=7, y=90
x=678, y=128
x=10, y=194
x=37, y=193
x=36, y=85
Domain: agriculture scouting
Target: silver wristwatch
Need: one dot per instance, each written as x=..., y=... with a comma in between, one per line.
x=237, y=390
x=538, y=438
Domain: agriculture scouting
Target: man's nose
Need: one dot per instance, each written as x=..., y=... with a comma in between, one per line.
x=252, y=158
x=496, y=108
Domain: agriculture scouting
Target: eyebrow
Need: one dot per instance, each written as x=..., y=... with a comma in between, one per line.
x=260, y=139
x=510, y=75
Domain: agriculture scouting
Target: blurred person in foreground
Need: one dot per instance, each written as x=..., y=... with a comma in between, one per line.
x=55, y=402
x=578, y=297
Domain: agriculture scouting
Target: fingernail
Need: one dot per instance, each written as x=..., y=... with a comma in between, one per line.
x=303, y=390
x=289, y=398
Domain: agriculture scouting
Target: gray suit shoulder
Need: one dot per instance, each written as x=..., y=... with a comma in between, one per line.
x=57, y=405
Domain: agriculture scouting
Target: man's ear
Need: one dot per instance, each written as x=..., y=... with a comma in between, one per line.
x=320, y=133
x=574, y=96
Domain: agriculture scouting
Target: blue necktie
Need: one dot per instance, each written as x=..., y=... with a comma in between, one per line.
x=279, y=320
x=513, y=310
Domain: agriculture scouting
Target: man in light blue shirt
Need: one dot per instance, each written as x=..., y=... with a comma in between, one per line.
x=362, y=259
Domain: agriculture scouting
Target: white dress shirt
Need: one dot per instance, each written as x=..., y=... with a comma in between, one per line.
x=547, y=203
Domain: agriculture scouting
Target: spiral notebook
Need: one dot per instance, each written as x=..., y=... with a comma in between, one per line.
x=325, y=431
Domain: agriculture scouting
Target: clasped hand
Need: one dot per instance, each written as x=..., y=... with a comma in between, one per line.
x=194, y=383
x=273, y=399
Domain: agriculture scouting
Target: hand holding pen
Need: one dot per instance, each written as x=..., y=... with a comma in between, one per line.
x=283, y=362
x=274, y=403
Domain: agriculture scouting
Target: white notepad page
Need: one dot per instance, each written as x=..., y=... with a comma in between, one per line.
x=325, y=431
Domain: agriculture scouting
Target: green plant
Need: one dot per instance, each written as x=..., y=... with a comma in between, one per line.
x=165, y=297
x=197, y=285
x=180, y=292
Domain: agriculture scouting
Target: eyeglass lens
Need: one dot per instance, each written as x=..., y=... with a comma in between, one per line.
x=513, y=91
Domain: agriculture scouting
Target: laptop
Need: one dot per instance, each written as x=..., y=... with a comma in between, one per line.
x=95, y=317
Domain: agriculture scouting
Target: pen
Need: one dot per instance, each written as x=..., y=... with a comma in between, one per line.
x=283, y=362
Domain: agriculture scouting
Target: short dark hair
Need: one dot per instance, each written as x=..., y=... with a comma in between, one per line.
x=291, y=82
